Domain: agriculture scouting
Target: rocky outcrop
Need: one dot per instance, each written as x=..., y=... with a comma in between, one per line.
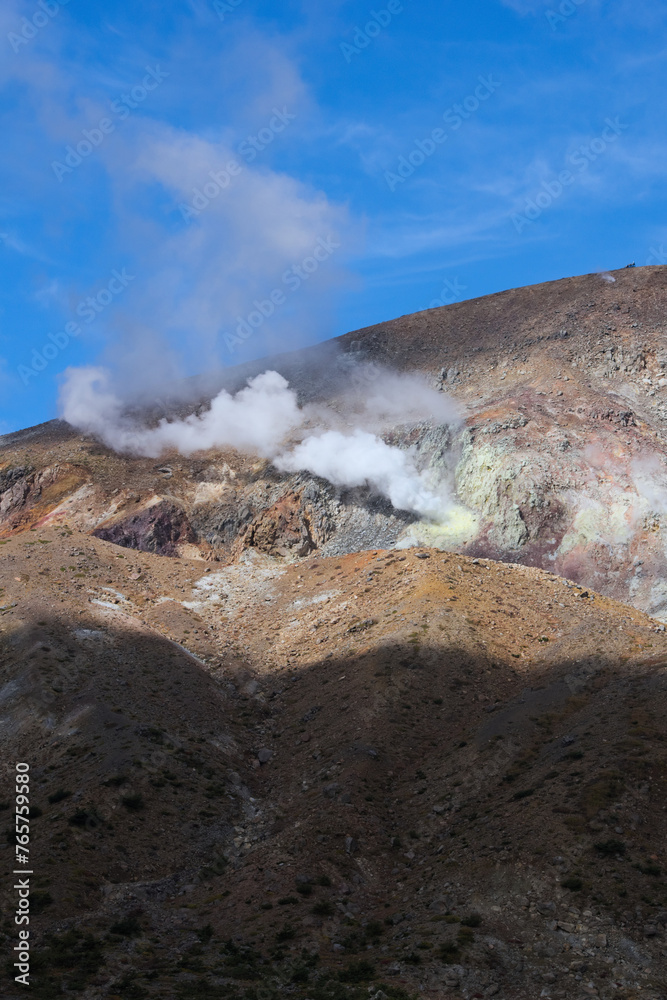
x=28, y=495
x=284, y=529
x=161, y=528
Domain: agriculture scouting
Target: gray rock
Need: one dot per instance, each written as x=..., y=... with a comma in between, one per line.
x=453, y=974
x=442, y=904
x=264, y=756
x=545, y=908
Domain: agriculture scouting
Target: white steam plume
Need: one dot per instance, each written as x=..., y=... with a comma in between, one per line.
x=359, y=458
x=257, y=419
x=260, y=417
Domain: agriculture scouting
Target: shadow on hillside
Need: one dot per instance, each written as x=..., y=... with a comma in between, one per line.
x=147, y=781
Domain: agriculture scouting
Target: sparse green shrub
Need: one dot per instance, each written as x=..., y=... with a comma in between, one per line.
x=609, y=847
x=357, y=972
x=323, y=909
x=59, y=796
x=449, y=953
x=288, y=933
x=129, y=926
x=217, y=867
x=39, y=900
x=650, y=868
x=73, y=955
x=84, y=818
x=133, y=803
x=116, y=781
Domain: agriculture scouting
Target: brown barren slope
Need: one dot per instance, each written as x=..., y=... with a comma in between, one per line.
x=411, y=771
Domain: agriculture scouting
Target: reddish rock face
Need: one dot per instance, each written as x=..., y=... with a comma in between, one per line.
x=284, y=529
x=161, y=529
x=27, y=495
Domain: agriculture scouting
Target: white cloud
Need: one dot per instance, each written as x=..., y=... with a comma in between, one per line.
x=204, y=273
x=192, y=280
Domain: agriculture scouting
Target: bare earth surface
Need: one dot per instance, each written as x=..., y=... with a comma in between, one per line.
x=272, y=755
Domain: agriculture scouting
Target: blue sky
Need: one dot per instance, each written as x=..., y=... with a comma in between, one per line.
x=187, y=186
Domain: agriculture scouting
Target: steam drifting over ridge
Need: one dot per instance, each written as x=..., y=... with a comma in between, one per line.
x=265, y=418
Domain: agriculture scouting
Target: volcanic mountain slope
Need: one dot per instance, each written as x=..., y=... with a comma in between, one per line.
x=383, y=774
x=559, y=461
